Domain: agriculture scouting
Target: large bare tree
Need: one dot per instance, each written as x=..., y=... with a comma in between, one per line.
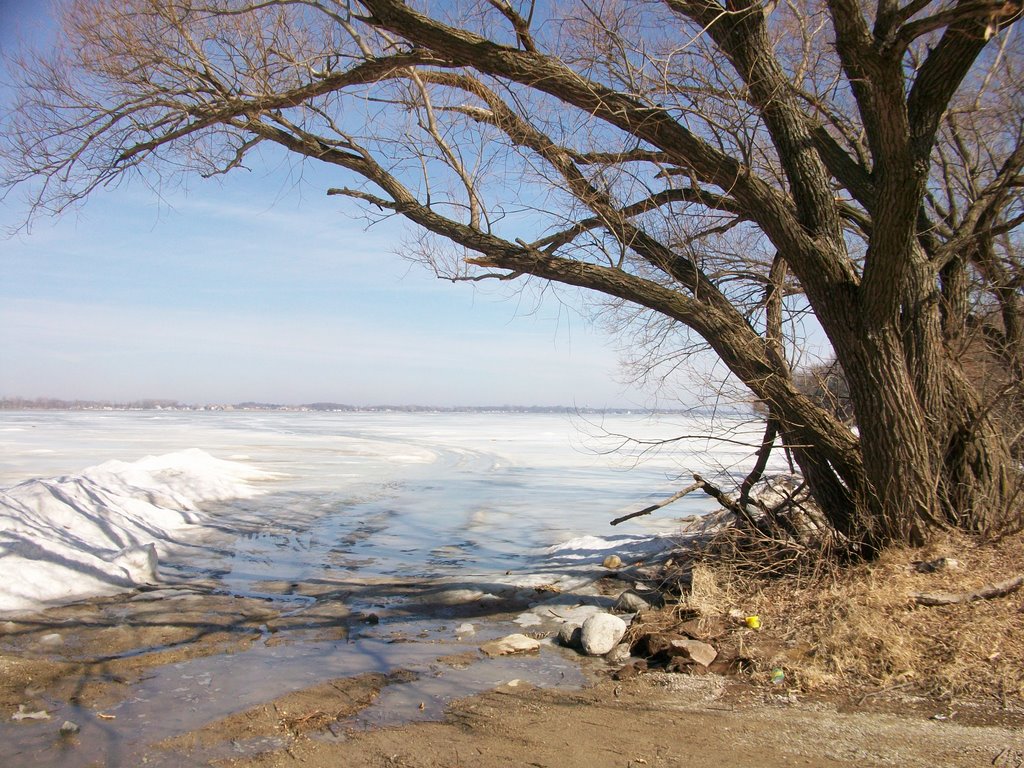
x=713, y=167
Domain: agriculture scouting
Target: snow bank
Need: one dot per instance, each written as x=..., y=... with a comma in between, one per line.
x=595, y=548
x=101, y=531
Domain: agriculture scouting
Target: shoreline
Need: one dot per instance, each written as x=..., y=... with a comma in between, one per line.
x=110, y=647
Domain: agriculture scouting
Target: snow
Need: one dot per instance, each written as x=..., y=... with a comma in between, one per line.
x=497, y=501
x=594, y=548
x=103, y=530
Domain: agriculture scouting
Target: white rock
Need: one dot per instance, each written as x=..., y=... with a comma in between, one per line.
x=600, y=633
x=509, y=645
x=465, y=629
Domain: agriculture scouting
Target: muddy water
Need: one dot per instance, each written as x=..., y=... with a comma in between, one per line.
x=430, y=533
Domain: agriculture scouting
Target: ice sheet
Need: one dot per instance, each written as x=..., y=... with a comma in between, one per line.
x=479, y=500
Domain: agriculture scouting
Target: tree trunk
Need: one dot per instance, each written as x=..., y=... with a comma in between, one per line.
x=925, y=470
x=978, y=465
x=895, y=442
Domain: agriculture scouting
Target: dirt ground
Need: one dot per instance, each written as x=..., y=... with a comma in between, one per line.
x=656, y=720
x=90, y=655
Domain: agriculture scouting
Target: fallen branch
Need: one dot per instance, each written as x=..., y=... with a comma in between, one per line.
x=718, y=495
x=986, y=592
x=659, y=505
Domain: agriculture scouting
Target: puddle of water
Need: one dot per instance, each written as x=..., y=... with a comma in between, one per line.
x=182, y=697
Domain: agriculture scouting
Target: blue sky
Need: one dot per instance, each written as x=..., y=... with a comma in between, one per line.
x=256, y=287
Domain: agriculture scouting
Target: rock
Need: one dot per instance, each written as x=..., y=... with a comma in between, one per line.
x=619, y=654
x=612, y=561
x=465, y=629
x=694, y=650
x=600, y=633
x=569, y=634
x=69, y=728
x=509, y=645
x=672, y=646
x=51, y=639
x=632, y=601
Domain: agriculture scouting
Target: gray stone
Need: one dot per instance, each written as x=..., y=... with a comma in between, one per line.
x=600, y=633
x=509, y=645
x=569, y=634
x=69, y=728
x=619, y=654
x=632, y=601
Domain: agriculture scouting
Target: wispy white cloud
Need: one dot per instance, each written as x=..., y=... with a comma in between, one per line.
x=256, y=288
x=71, y=349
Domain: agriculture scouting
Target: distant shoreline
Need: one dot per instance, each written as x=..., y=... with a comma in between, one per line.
x=54, y=404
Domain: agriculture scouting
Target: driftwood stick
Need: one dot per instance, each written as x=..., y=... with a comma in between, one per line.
x=986, y=592
x=659, y=505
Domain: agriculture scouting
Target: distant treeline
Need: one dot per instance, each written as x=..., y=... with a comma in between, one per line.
x=56, y=404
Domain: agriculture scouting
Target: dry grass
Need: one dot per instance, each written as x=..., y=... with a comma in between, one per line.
x=860, y=629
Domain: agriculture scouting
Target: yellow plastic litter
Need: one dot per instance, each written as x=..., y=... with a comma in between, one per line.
x=754, y=622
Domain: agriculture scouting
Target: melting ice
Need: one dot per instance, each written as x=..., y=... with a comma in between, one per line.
x=475, y=499
x=416, y=518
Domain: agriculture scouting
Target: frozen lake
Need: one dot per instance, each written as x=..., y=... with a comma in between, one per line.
x=409, y=515
x=398, y=494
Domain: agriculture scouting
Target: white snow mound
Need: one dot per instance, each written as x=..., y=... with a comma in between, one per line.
x=101, y=531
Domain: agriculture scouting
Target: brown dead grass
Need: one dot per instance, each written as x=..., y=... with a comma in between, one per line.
x=859, y=628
